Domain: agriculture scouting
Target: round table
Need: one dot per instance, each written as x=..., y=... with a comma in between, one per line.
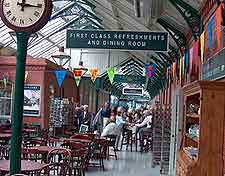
x=45, y=149
x=26, y=166
x=5, y=135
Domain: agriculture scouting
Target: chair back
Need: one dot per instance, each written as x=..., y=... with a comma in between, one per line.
x=56, y=169
x=4, y=152
x=59, y=155
x=111, y=140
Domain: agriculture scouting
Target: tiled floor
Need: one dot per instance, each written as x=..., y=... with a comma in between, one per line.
x=128, y=164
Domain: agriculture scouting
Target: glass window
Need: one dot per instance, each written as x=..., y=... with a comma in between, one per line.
x=5, y=103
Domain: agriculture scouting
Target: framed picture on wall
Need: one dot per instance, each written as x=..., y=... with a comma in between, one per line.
x=32, y=100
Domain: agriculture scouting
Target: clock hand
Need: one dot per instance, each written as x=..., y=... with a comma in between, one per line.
x=30, y=5
x=22, y=4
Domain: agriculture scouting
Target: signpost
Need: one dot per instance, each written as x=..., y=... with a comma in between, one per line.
x=122, y=40
x=130, y=79
x=133, y=91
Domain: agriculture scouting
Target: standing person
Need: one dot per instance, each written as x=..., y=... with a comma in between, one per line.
x=79, y=116
x=105, y=114
x=86, y=116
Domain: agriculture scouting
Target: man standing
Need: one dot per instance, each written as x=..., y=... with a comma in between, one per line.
x=105, y=114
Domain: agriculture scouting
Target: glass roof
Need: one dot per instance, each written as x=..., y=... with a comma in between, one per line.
x=73, y=14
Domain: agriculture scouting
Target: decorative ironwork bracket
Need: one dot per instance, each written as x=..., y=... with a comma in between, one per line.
x=191, y=16
x=178, y=36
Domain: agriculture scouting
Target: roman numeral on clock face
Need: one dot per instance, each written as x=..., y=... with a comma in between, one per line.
x=14, y=19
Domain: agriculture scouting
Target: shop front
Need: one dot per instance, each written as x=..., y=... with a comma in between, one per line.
x=40, y=87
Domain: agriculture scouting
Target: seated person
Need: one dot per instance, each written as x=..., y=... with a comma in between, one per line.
x=111, y=128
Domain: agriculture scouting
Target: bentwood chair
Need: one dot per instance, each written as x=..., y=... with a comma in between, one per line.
x=56, y=169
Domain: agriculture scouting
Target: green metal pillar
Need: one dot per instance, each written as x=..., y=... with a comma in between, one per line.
x=17, y=118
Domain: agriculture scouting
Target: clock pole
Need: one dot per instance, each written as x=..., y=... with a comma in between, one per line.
x=17, y=117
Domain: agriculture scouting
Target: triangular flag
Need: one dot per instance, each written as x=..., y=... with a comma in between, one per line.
x=77, y=76
x=94, y=74
x=77, y=80
x=218, y=24
x=150, y=70
x=183, y=65
x=111, y=73
x=210, y=33
x=60, y=76
x=180, y=68
x=175, y=72
x=202, y=38
x=196, y=55
x=191, y=59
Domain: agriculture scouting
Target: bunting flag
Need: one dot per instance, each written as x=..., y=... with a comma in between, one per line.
x=202, y=39
x=218, y=24
x=150, y=70
x=183, y=66
x=174, y=72
x=180, y=76
x=196, y=55
x=191, y=59
x=94, y=74
x=186, y=63
x=60, y=76
x=210, y=33
x=111, y=73
x=77, y=76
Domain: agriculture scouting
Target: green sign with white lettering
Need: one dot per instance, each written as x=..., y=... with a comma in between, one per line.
x=122, y=40
x=214, y=68
x=130, y=79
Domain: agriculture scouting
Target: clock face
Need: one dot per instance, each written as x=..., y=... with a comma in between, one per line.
x=25, y=15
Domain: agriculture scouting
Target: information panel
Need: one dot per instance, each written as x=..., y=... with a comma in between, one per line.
x=122, y=40
x=133, y=91
x=130, y=79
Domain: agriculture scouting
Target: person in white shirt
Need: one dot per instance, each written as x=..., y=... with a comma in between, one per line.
x=111, y=128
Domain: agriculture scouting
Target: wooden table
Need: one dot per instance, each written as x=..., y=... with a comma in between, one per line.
x=5, y=136
x=75, y=140
x=45, y=149
x=26, y=166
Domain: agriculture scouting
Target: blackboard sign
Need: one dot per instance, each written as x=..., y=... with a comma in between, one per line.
x=133, y=91
x=214, y=68
x=122, y=40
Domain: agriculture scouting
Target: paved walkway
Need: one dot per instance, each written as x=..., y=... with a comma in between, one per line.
x=128, y=164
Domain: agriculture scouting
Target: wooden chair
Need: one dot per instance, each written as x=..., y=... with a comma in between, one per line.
x=59, y=155
x=126, y=139
x=111, y=143
x=31, y=154
x=79, y=161
x=4, y=152
x=55, y=169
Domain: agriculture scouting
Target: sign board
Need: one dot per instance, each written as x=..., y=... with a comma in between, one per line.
x=32, y=100
x=133, y=91
x=130, y=79
x=214, y=68
x=122, y=40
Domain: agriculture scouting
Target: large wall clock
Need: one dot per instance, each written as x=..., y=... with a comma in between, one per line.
x=25, y=15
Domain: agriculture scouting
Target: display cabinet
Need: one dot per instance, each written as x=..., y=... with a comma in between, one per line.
x=201, y=152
